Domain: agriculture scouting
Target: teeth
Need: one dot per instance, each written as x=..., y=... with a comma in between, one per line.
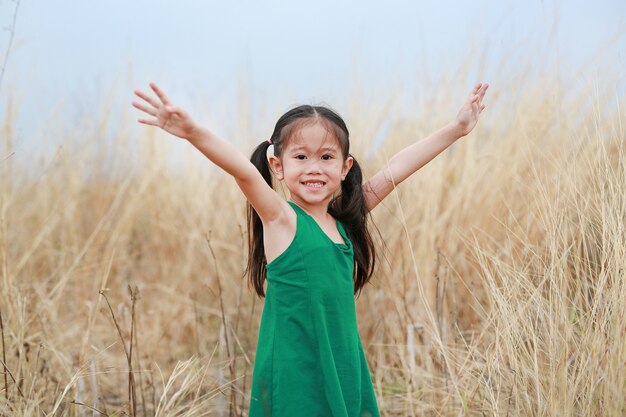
x=313, y=184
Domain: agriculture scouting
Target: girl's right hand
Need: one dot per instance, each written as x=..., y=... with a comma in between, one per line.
x=170, y=118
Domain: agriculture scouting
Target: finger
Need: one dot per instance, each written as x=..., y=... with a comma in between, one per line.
x=151, y=122
x=483, y=90
x=480, y=88
x=174, y=111
x=475, y=90
x=150, y=111
x=160, y=93
x=177, y=111
x=147, y=98
x=481, y=93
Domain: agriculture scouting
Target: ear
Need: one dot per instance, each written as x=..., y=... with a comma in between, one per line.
x=276, y=165
x=346, y=167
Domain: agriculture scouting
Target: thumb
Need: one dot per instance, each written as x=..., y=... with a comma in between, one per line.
x=175, y=110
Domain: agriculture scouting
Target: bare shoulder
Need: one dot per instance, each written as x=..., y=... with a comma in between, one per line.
x=280, y=232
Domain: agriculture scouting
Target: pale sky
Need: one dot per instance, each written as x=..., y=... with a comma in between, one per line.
x=70, y=53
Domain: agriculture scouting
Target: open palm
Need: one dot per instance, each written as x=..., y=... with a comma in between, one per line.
x=468, y=115
x=170, y=118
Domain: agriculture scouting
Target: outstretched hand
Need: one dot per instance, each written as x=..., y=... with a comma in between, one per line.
x=468, y=115
x=168, y=117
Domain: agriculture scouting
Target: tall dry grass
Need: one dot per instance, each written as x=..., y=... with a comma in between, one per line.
x=500, y=290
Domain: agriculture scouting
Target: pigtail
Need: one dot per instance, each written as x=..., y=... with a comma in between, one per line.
x=255, y=268
x=350, y=209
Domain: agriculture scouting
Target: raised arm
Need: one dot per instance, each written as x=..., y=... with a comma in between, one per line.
x=267, y=203
x=415, y=156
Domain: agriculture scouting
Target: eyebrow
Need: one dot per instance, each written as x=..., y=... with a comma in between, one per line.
x=325, y=148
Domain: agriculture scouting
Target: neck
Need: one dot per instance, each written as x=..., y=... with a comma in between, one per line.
x=319, y=211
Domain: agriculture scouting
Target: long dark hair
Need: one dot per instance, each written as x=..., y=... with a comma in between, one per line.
x=348, y=207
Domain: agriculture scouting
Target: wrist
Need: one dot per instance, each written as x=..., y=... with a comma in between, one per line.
x=456, y=130
x=197, y=133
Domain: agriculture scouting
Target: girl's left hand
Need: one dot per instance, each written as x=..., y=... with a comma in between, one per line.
x=468, y=115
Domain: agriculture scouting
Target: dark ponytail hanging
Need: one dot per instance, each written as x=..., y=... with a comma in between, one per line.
x=256, y=254
x=349, y=207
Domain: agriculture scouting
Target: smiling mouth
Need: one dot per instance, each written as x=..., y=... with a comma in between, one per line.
x=314, y=184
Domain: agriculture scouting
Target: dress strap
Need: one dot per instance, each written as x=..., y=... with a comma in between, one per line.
x=342, y=230
x=296, y=207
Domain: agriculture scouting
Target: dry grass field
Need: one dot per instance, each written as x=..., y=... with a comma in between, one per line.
x=500, y=289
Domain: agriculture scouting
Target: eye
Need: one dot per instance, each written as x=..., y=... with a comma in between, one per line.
x=300, y=156
x=326, y=157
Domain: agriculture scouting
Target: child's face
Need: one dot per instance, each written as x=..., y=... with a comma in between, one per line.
x=311, y=165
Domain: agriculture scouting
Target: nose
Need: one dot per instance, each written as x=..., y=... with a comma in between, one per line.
x=313, y=167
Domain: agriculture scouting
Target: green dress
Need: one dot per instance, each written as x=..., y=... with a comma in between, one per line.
x=309, y=359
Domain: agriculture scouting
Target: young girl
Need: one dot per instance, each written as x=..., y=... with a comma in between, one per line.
x=314, y=250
